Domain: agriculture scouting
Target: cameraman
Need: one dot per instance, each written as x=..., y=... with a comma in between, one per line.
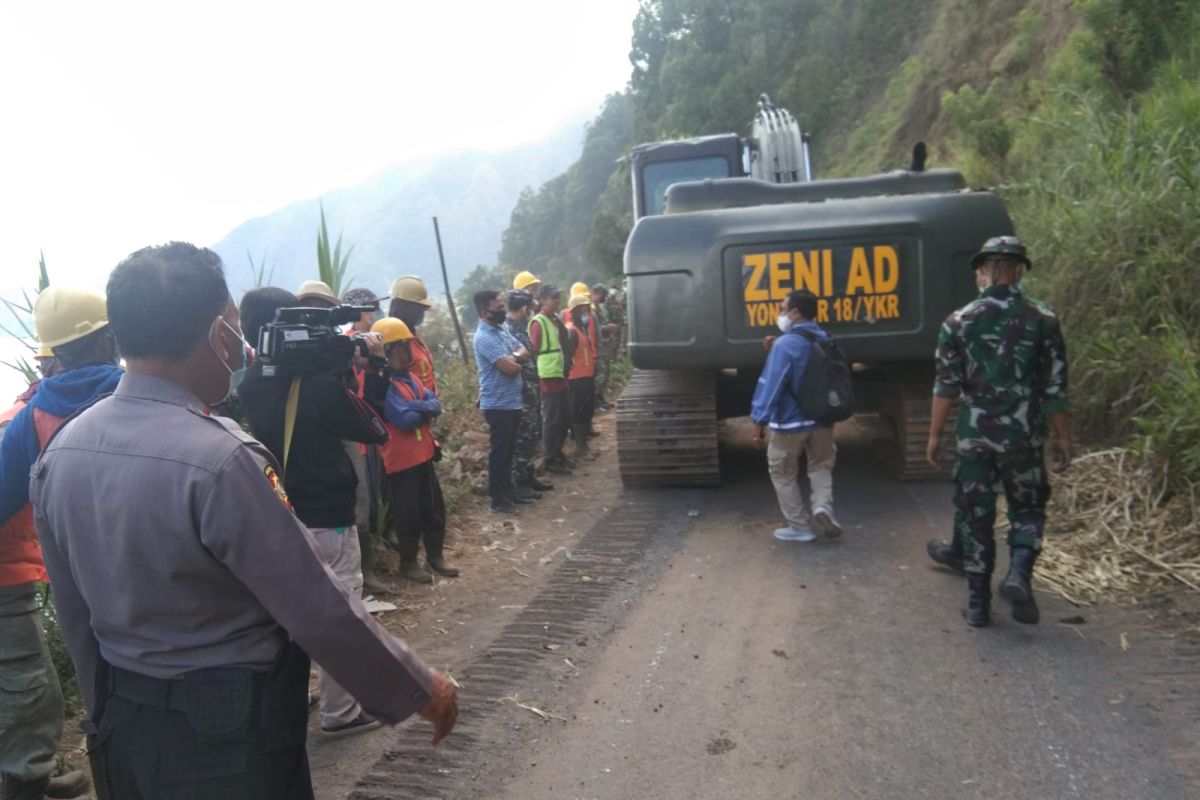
x=319, y=477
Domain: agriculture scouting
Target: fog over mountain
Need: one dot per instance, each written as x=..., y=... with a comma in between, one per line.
x=388, y=218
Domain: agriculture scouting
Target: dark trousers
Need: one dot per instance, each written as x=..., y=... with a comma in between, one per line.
x=556, y=418
x=416, y=511
x=228, y=733
x=583, y=407
x=503, y=426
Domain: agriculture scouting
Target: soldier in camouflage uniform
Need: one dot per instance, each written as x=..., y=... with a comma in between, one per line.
x=1004, y=354
x=609, y=319
x=529, y=429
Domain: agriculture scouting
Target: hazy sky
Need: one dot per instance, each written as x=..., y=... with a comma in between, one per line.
x=132, y=123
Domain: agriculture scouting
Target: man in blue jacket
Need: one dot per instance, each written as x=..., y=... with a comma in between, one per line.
x=74, y=324
x=776, y=405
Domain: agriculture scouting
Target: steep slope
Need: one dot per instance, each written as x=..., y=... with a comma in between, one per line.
x=388, y=219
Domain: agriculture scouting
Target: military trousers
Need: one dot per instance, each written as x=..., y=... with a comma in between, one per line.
x=529, y=434
x=784, y=452
x=1027, y=489
x=31, y=706
x=230, y=733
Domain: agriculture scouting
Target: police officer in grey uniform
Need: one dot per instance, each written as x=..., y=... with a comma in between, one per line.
x=190, y=596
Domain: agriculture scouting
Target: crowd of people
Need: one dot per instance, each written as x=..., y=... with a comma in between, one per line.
x=542, y=377
x=245, y=494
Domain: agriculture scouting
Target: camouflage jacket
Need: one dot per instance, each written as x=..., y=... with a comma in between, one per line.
x=520, y=332
x=610, y=312
x=1004, y=354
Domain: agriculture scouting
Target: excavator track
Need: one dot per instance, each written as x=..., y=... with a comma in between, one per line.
x=667, y=430
x=907, y=405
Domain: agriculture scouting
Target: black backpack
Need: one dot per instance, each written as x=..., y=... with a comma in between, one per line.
x=826, y=388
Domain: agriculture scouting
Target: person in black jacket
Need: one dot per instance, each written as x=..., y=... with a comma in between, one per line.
x=318, y=475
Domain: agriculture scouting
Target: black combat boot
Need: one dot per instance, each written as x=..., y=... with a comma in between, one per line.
x=1017, y=589
x=438, y=564
x=413, y=571
x=978, y=609
x=948, y=554
x=539, y=485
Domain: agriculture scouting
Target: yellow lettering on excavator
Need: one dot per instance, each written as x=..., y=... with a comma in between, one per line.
x=887, y=269
x=860, y=276
x=827, y=273
x=806, y=271
x=753, y=291
x=780, y=274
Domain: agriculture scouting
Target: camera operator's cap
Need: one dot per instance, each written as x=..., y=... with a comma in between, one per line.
x=391, y=330
x=579, y=287
x=412, y=289
x=526, y=280
x=583, y=299
x=316, y=290
x=62, y=314
x=359, y=297
x=1002, y=246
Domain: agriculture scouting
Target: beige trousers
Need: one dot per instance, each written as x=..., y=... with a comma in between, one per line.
x=338, y=548
x=783, y=461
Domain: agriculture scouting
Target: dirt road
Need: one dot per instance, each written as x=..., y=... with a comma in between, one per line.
x=675, y=650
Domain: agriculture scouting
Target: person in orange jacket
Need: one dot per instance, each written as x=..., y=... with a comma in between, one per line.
x=581, y=379
x=416, y=509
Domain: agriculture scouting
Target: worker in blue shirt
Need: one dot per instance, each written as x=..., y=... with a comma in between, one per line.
x=776, y=405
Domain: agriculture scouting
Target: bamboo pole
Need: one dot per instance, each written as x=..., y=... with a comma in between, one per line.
x=462, y=343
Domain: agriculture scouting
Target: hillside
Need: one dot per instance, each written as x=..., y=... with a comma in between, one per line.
x=387, y=219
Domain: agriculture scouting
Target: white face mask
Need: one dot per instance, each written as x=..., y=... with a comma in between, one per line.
x=235, y=375
x=785, y=323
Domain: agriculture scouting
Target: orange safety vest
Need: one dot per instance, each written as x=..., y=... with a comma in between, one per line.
x=20, y=551
x=407, y=449
x=583, y=363
x=422, y=365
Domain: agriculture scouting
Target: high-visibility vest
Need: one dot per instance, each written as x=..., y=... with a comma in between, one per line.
x=583, y=365
x=20, y=551
x=550, y=362
x=422, y=365
x=406, y=449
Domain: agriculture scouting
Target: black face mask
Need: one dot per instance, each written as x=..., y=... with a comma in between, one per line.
x=496, y=317
x=411, y=315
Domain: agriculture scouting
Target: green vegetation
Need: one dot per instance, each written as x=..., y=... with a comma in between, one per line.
x=331, y=265
x=22, y=314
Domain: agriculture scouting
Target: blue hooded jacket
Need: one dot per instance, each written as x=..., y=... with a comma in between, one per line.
x=775, y=396
x=60, y=396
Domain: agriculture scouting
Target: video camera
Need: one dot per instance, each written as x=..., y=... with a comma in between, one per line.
x=307, y=340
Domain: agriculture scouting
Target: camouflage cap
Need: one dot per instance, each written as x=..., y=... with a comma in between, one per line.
x=520, y=298
x=359, y=297
x=1002, y=246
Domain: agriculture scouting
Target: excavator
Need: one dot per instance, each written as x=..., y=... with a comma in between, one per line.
x=725, y=227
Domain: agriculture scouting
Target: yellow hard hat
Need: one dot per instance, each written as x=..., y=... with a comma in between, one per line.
x=317, y=290
x=583, y=299
x=579, y=287
x=44, y=352
x=526, y=281
x=391, y=330
x=62, y=314
x=412, y=289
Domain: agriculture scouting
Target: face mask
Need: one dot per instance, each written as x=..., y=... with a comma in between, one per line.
x=412, y=315
x=585, y=318
x=785, y=323
x=235, y=375
x=496, y=317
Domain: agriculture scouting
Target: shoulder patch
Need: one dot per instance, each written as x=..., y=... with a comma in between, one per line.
x=276, y=484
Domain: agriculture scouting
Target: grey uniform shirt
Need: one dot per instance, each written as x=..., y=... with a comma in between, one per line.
x=171, y=547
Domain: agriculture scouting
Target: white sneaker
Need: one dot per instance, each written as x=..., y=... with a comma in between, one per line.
x=824, y=522
x=790, y=534
x=376, y=606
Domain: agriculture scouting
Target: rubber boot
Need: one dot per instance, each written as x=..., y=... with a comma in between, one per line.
x=438, y=564
x=948, y=554
x=16, y=789
x=414, y=573
x=69, y=784
x=539, y=485
x=1017, y=588
x=978, y=609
